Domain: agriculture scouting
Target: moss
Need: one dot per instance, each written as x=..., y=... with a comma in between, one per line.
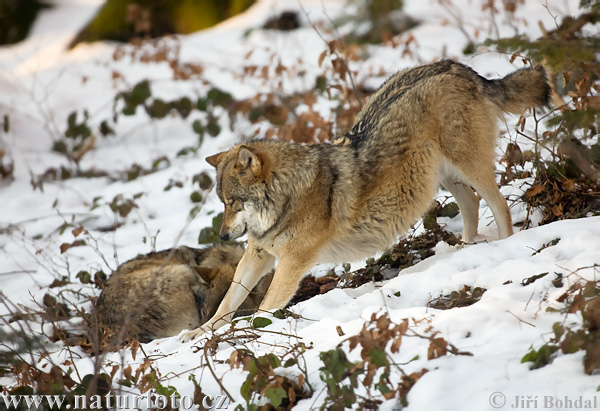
x=114, y=21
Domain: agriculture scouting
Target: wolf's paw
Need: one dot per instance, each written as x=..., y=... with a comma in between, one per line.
x=191, y=335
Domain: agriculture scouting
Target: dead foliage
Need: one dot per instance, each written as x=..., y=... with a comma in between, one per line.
x=561, y=198
x=581, y=297
x=463, y=298
x=377, y=371
x=263, y=381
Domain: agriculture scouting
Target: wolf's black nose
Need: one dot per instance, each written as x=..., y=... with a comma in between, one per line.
x=224, y=237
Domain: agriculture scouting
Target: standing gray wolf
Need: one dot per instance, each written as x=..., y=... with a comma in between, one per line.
x=160, y=294
x=304, y=204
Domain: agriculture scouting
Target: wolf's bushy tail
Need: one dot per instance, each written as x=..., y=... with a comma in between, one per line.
x=523, y=89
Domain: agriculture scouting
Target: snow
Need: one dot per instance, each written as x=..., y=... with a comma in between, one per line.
x=42, y=83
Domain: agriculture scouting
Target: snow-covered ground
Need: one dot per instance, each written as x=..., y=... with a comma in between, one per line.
x=42, y=82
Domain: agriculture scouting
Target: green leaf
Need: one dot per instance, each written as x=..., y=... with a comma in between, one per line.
x=290, y=363
x=217, y=220
x=379, y=358
x=255, y=114
x=590, y=290
x=84, y=277
x=203, y=180
x=166, y=391
x=140, y=93
x=279, y=314
x=213, y=128
x=183, y=107
x=105, y=129
x=530, y=356
x=260, y=322
x=558, y=330
x=207, y=236
x=219, y=97
x=450, y=210
x=158, y=109
x=198, y=128
x=201, y=104
x=274, y=360
x=275, y=396
x=71, y=120
x=59, y=146
x=321, y=84
x=246, y=389
x=284, y=313
x=196, y=197
x=541, y=357
x=129, y=110
x=252, y=367
x=383, y=387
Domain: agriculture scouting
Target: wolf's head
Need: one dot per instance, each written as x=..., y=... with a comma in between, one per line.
x=240, y=186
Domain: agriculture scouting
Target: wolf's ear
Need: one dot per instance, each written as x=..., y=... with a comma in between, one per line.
x=207, y=274
x=248, y=159
x=215, y=159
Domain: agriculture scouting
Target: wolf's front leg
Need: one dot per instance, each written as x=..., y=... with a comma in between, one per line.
x=252, y=267
x=284, y=285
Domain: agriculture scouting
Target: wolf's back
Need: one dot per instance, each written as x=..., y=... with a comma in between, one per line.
x=523, y=89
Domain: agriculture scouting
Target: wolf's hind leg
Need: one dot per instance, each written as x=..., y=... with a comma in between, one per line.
x=469, y=207
x=484, y=182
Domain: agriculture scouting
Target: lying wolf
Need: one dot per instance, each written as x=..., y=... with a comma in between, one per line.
x=160, y=294
x=304, y=204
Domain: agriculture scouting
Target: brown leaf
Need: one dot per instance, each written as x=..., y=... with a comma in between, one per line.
x=64, y=247
x=199, y=398
x=557, y=210
x=396, y=344
x=127, y=372
x=569, y=184
x=533, y=191
x=135, y=344
x=592, y=314
x=114, y=370
x=383, y=322
x=513, y=155
x=371, y=369
x=310, y=98
x=577, y=304
x=353, y=342
x=322, y=57
x=77, y=231
x=437, y=348
x=591, y=361
x=403, y=326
